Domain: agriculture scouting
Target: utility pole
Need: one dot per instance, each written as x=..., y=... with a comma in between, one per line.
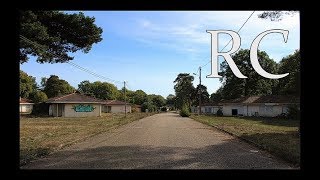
x=200, y=90
x=125, y=101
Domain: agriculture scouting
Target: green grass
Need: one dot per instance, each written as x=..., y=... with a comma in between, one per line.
x=278, y=136
x=42, y=136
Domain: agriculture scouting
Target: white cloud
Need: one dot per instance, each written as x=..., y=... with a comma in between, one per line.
x=185, y=32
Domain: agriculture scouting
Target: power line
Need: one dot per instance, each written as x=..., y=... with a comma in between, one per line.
x=73, y=64
x=93, y=73
x=231, y=39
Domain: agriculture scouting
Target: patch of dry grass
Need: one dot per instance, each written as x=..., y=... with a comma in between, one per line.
x=41, y=136
x=278, y=136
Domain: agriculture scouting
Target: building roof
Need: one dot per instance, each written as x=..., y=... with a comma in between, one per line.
x=114, y=102
x=264, y=99
x=136, y=105
x=211, y=104
x=74, y=98
x=25, y=101
x=278, y=99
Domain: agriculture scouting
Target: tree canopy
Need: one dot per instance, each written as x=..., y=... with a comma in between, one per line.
x=157, y=100
x=184, y=89
x=275, y=15
x=204, y=95
x=38, y=96
x=233, y=87
x=29, y=88
x=255, y=84
x=55, y=34
x=101, y=90
x=54, y=86
x=128, y=96
x=217, y=96
x=291, y=83
x=139, y=97
x=170, y=100
x=27, y=84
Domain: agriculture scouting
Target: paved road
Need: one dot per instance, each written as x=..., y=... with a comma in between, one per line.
x=162, y=141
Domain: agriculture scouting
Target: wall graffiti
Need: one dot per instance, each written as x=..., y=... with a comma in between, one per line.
x=83, y=108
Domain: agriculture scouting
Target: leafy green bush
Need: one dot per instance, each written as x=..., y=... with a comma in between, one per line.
x=164, y=109
x=40, y=109
x=293, y=112
x=219, y=112
x=185, y=111
x=148, y=105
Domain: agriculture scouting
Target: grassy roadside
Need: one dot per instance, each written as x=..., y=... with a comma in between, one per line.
x=41, y=136
x=277, y=136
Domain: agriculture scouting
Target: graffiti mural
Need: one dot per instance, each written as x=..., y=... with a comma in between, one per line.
x=83, y=108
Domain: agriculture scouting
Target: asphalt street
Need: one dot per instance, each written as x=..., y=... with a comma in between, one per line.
x=161, y=141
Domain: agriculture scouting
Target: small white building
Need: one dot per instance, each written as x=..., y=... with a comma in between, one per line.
x=26, y=106
x=115, y=106
x=207, y=108
x=74, y=105
x=264, y=106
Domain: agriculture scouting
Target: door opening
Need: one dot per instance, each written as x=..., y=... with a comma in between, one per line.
x=234, y=112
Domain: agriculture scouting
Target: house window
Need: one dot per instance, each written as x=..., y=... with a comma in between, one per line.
x=234, y=112
x=28, y=106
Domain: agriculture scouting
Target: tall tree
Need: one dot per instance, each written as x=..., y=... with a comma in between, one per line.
x=148, y=105
x=127, y=95
x=184, y=89
x=86, y=87
x=55, y=87
x=38, y=96
x=54, y=34
x=204, y=95
x=291, y=83
x=234, y=87
x=139, y=97
x=27, y=84
x=104, y=90
x=217, y=96
x=101, y=90
x=170, y=100
x=157, y=100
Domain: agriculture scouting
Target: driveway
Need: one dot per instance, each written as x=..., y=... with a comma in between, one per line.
x=161, y=141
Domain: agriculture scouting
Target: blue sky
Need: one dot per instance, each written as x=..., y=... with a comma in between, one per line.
x=148, y=49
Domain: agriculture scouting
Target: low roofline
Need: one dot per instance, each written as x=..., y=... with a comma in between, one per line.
x=259, y=103
x=115, y=104
x=72, y=102
x=26, y=103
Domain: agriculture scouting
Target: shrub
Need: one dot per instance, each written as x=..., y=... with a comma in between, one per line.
x=219, y=112
x=164, y=109
x=40, y=109
x=148, y=105
x=185, y=111
x=38, y=97
x=293, y=112
x=282, y=116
